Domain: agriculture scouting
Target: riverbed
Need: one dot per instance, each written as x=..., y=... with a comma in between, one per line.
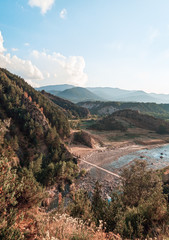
x=156, y=158
x=114, y=160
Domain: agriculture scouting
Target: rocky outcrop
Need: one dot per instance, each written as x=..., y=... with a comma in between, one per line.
x=36, y=113
x=107, y=110
x=86, y=139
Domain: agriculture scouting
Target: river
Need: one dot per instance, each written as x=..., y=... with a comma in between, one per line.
x=156, y=158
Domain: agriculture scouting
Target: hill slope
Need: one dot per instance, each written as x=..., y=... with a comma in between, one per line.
x=107, y=93
x=57, y=88
x=32, y=156
x=123, y=119
x=71, y=110
x=116, y=94
x=106, y=108
x=36, y=126
x=77, y=94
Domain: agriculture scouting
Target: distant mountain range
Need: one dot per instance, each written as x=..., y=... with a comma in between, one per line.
x=79, y=94
x=71, y=93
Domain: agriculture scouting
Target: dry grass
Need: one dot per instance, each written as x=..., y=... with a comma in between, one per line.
x=39, y=225
x=64, y=227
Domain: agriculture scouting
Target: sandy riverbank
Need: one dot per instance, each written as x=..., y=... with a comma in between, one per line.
x=105, y=156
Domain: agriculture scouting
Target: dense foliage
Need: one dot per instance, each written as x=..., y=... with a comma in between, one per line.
x=12, y=96
x=18, y=191
x=127, y=118
x=72, y=110
x=35, y=129
x=154, y=109
x=108, y=123
x=137, y=210
x=32, y=154
x=77, y=94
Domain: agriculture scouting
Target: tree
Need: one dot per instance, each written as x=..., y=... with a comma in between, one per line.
x=145, y=204
x=80, y=206
x=98, y=204
x=9, y=187
x=37, y=164
x=139, y=184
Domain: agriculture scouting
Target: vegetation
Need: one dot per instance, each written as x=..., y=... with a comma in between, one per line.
x=77, y=94
x=127, y=118
x=33, y=157
x=32, y=154
x=71, y=110
x=39, y=123
x=84, y=138
x=18, y=191
x=105, y=108
x=137, y=210
x=107, y=124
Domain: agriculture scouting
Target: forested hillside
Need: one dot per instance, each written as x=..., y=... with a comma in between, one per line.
x=106, y=108
x=31, y=148
x=127, y=118
x=71, y=110
x=78, y=94
x=32, y=116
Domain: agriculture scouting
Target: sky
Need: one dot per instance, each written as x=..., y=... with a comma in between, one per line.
x=89, y=43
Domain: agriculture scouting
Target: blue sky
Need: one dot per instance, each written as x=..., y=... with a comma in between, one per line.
x=115, y=43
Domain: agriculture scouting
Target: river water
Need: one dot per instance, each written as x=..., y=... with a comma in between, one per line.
x=157, y=158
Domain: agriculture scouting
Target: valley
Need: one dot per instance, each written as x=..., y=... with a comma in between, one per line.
x=67, y=158
x=84, y=120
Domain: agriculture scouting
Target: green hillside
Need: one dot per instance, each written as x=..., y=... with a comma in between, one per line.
x=36, y=125
x=78, y=94
x=127, y=118
x=106, y=108
x=71, y=110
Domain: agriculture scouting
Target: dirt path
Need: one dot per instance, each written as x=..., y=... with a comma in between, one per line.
x=97, y=163
x=100, y=168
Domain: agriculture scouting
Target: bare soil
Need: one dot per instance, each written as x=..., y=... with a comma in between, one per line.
x=115, y=145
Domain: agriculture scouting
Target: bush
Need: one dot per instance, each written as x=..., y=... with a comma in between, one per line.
x=162, y=129
x=139, y=209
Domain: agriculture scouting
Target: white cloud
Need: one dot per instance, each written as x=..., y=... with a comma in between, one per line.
x=63, y=13
x=2, y=49
x=14, y=49
x=61, y=69
x=23, y=68
x=35, y=53
x=44, y=5
x=48, y=68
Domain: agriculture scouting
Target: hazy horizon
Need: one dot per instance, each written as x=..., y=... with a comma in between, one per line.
x=119, y=44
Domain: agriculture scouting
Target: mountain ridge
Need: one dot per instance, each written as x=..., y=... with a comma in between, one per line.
x=104, y=93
